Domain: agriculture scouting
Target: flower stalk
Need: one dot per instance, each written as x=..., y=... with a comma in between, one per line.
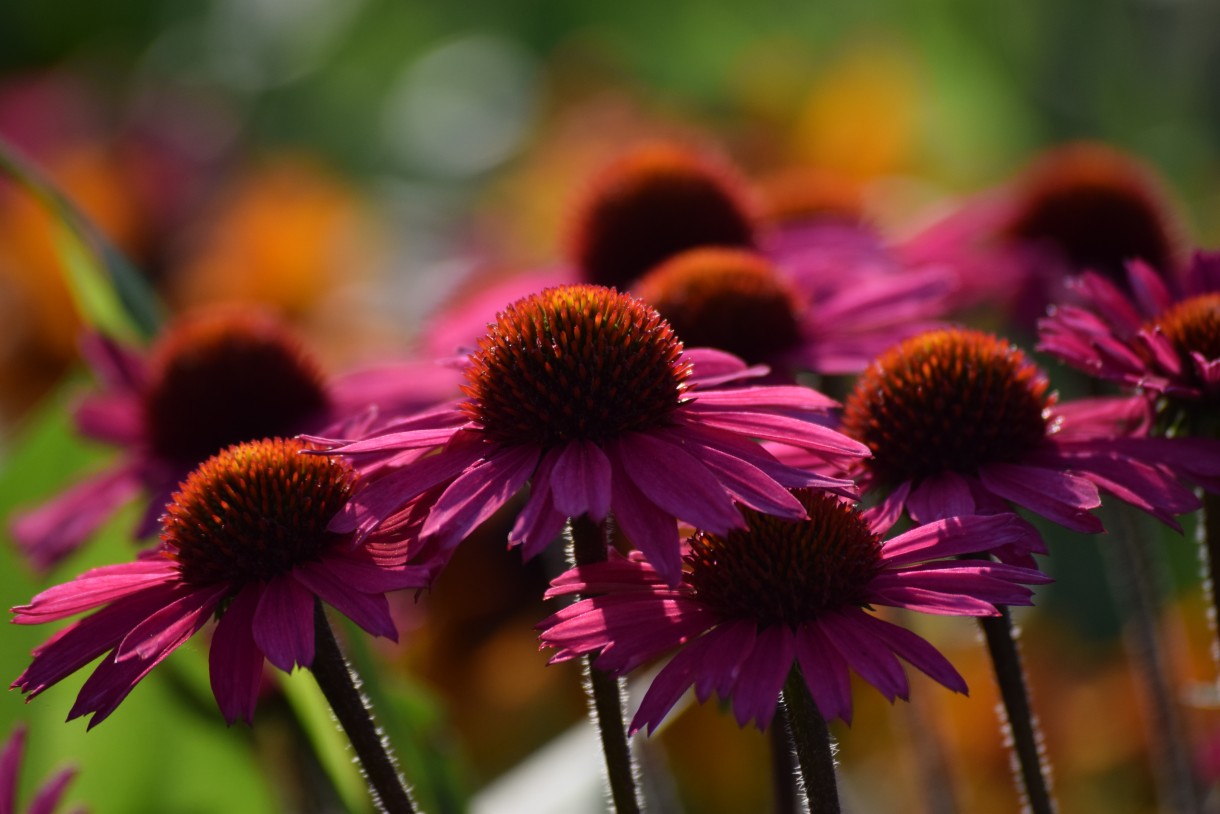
x=814, y=750
x=341, y=688
x=605, y=691
x=1023, y=727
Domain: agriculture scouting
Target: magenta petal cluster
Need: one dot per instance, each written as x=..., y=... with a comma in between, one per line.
x=48, y=795
x=258, y=568
x=563, y=409
x=744, y=651
x=1162, y=341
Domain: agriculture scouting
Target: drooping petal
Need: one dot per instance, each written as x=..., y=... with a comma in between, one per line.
x=476, y=494
x=952, y=537
x=848, y=633
x=756, y=691
x=674, y=480
x=50, y=793
x=918, y=653
x=946, y=494
x=284, y=623
x=825, y=671
x=369, y=610
x=650, y=528
x=235, y=662
x=580, y=481
x=10, y=768
x=1057, y=496
x=172, y=624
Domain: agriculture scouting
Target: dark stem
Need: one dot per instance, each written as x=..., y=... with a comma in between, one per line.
x=1006, y=659
x=340, y=687
x=1209, y=551
x=814, y=752
x=605, y=690
x=783, y=765
x=1136, y=578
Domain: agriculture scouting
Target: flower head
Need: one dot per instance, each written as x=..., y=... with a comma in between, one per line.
x=245, y=540
x=47, y=797
x=961, y=422
x=589, y=396
x=654, y=201
x=213, y=378
x=757, y=601
x=1156, y=339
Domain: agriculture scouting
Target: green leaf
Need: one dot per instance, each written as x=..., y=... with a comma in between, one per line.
x=110, y=293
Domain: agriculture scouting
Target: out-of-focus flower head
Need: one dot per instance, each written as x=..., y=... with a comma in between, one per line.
x=1081, y=206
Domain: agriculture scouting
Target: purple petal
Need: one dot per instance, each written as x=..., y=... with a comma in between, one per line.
x=688, y=666
x=55, y=529
x=804, y=434
x=369, y=610
x=762, y=676
x=10, y=768
x=952, y=537
x=849, y=632
x=917, y=652
x=235, y=662
x=48, y=796
x=1058, y=496
x=580, y=481
x=94, y=588
x=284, y=623
x=170, y=625
x=947, y=494
x=673, y=479
x=648, y=527
x=825, y=672
x=475, y=495
x=791, y=397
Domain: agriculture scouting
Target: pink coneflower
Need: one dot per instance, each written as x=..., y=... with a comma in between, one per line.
x=1155, y=339
x=783, y=594
x=1078, y=206
x=46, y=798
x=960, y=422
x=214, y=378
x=244, y=540
x=826, y=312
x=588, y=395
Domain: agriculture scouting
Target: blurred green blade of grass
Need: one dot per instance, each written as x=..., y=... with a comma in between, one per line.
x=110, y=293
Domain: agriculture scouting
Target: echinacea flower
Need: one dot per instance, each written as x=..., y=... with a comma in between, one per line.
x=48, y=795
x=1079, y=206
x=782, y=593
x=214, y=378
x=245, y=541
x=1148, y=337
x=960, y=422
x=589, y=396
x=827, y=312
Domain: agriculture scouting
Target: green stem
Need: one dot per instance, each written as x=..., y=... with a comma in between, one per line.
x=605, y=691
x=340, y=687
x=814, y=752
x=1023, y=728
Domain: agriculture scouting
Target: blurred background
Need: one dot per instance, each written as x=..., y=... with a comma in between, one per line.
x=352, y=163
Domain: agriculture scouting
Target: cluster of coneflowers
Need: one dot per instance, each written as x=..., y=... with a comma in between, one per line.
x=649, y=406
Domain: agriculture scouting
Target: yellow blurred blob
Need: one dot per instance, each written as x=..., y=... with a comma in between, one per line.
x=860, y=116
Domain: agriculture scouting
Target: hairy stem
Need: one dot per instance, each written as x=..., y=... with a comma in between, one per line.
x=814, y=752
x=341, y=688
x=606, y=691
x=1023, y=727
